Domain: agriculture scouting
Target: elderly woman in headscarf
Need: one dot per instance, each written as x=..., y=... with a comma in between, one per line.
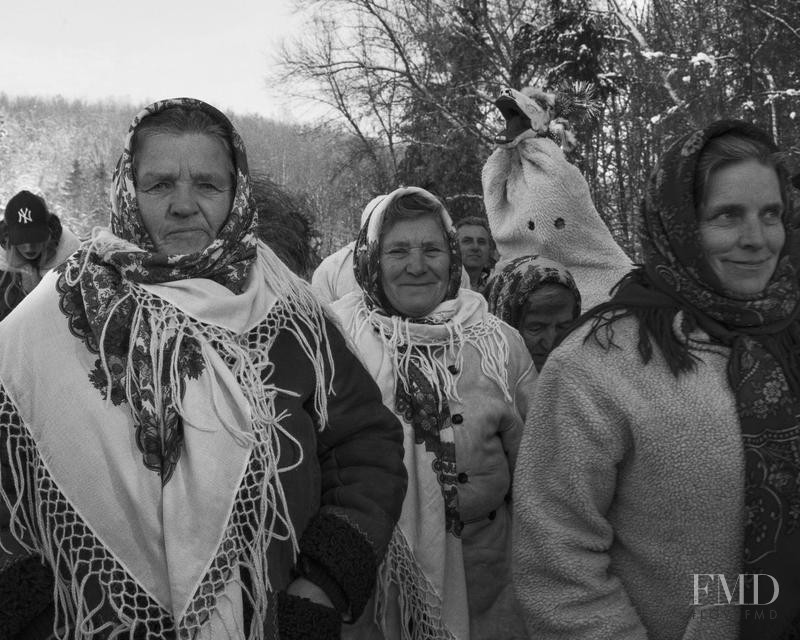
x=185, y=438
x=458, y=378
x=658, y=481
x=539, y=298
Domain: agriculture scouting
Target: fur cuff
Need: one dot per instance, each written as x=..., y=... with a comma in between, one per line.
x=301, y=619
x=346, y=557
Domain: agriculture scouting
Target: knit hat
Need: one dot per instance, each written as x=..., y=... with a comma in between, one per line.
x=26, y=218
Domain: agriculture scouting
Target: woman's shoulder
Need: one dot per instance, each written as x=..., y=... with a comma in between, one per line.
x=613, y=341
x=347, y=304
x=596, y=337
x=601, y=351
x=347, y=310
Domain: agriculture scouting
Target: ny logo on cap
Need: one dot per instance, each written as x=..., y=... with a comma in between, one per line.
x=24, y=216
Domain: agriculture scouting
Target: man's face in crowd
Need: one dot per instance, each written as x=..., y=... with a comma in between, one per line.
x=475, y=247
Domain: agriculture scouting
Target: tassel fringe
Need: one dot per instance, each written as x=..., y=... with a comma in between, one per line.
x=42, y=519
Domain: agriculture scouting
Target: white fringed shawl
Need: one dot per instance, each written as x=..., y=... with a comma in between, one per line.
x=166, y=556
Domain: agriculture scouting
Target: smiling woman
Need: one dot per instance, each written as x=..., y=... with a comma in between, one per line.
x=741, y=214
x=677, y=401
x=458, y=378
x=415, y=256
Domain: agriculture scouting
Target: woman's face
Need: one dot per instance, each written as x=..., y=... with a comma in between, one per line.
x=547, y=313
x=741, y=225
x=31, y=251
x=415, y=265
x=184, y=189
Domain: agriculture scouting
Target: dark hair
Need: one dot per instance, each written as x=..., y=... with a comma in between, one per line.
x=285, y=224
x=180, y=120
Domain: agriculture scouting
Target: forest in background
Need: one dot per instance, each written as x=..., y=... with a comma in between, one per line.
x=415, y=82
x=409, y=88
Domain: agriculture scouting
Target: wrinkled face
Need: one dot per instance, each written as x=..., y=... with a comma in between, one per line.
x=31, y=251
x=475, y=246
x=184, y=187
x=547, y=314
x=415, y=265
x=741, y=225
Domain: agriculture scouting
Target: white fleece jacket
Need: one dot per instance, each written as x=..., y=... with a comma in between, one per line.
x=538, y=203
x=627, y=483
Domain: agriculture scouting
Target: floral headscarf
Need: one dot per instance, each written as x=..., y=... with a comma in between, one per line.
x=226, y=260
x=674, y=258
x=508, y=290
x=96, y=286
x=367, y=252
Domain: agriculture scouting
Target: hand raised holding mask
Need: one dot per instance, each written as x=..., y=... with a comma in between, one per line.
x=538, y=202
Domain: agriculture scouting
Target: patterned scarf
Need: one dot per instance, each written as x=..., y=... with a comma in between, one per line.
x=508, y=290
x=763, y=334
x=100, y=289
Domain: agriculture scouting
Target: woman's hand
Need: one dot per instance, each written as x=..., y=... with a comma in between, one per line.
x=304, y=588
x=305, y=613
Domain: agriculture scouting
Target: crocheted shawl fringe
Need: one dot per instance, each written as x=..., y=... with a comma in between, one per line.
x=420, y=604
x=444, y=342
x=248, y=535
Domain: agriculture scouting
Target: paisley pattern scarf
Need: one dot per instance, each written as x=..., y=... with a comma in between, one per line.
x=97, y=288
x=763, y=333
x=508, y=290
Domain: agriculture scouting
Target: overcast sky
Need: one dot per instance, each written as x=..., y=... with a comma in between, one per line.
x=141, y=51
